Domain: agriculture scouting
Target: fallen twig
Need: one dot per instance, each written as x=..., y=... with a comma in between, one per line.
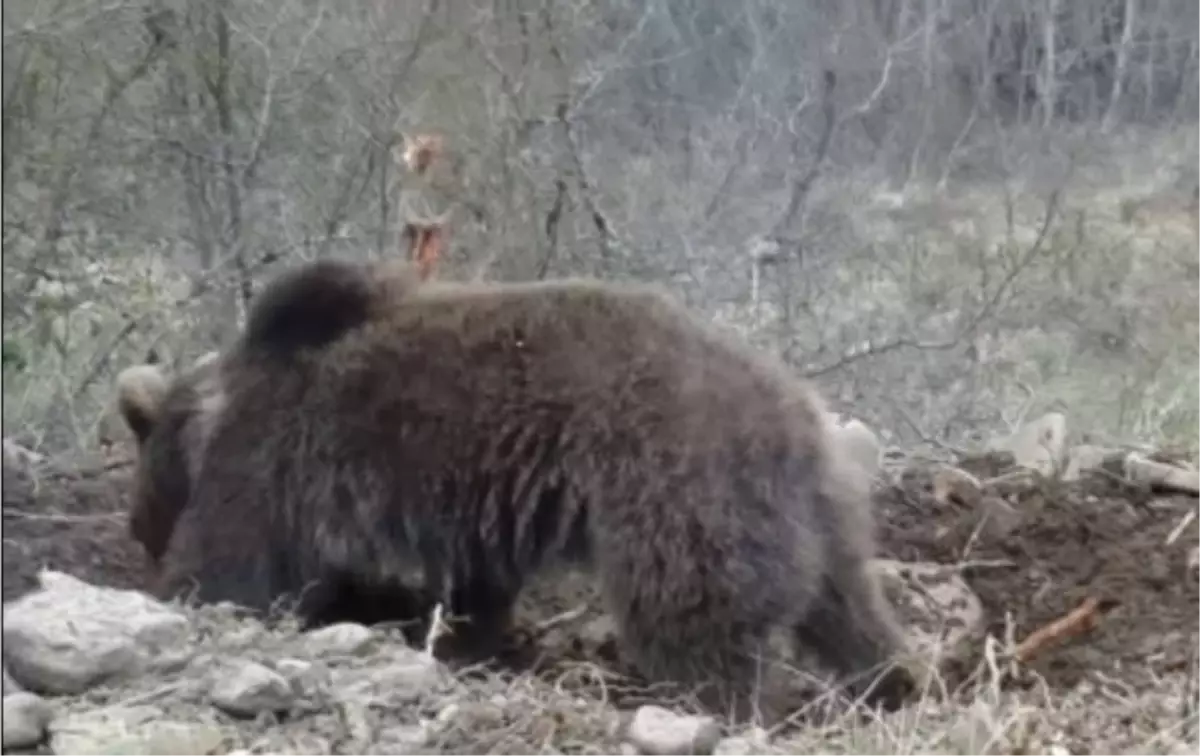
x=561, y=618
x=16, y=514
x=983, y=564
x=437, y=628
x=1178, y=529
x=1079, y=620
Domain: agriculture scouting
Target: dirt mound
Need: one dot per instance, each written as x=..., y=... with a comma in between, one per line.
x=1043, y=547
x=69, y=521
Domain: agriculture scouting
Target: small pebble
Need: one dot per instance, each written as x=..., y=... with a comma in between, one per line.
x=656, y=731
x=344, y=638
x=249, y=689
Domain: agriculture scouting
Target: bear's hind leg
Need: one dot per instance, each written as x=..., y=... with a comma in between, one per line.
x=853, y=629
x=850, y=623
x=684, y=623
x=723, y=668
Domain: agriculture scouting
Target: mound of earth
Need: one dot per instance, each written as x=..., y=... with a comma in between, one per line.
x=72, y=521
x=1042, y=547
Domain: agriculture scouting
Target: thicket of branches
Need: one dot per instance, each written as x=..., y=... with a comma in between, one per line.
x=161, y=157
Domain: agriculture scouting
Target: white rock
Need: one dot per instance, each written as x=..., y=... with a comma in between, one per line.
x=1161, y=475
x=248, y=688
x=745, y=744
x=294, y=669
x=943, y=617
x=19, y=457
x=291, y=668
x=448, y=713
x=70, y=635
x=858, y=442
x=735, y=746
x=26, y=717
x=1085, y=457
x=344, y=638
x=400, y=739
x=133, y=730
x=303, y=676
x=1039, y=445
x=656, y=731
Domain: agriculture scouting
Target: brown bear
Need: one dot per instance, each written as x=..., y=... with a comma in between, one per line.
x=371, y=442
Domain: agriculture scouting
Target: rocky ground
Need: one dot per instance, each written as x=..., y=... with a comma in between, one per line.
x=984, y=556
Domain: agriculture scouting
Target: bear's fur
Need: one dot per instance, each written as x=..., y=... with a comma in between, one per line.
x=453, y=439
x=170, y=423
x=314, y=304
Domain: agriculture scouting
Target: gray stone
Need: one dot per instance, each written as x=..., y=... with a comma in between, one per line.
x=26, y=717
x=70, y=635
x=943, y=617
x=133, y=730
x=656, y=731
x=1084, y=458
x=247, y=688
x=859, y=443
x=1039, y=445
x=1161, y=475
x=341, y=639
x=305, y=677
x=744, y=744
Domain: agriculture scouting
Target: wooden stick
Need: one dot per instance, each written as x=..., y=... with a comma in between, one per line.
x=1078, y=621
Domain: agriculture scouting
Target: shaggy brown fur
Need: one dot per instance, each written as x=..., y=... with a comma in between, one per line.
x=461, y=437
x=317, y=303
x=170, y=424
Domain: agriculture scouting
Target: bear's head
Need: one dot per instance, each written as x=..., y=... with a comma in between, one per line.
x=170, y=420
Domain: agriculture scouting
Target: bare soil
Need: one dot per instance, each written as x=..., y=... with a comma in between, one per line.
x=1063, y=543
x=71, y=521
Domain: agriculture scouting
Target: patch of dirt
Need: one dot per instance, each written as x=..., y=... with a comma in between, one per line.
x=1064, y=542
x=74, y=522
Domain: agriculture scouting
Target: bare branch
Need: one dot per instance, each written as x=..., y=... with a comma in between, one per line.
x=984, y=312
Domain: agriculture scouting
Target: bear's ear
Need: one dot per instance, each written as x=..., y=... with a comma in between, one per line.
x=140, y=392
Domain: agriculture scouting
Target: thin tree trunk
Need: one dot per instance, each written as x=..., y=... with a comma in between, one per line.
x=1118, y=85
